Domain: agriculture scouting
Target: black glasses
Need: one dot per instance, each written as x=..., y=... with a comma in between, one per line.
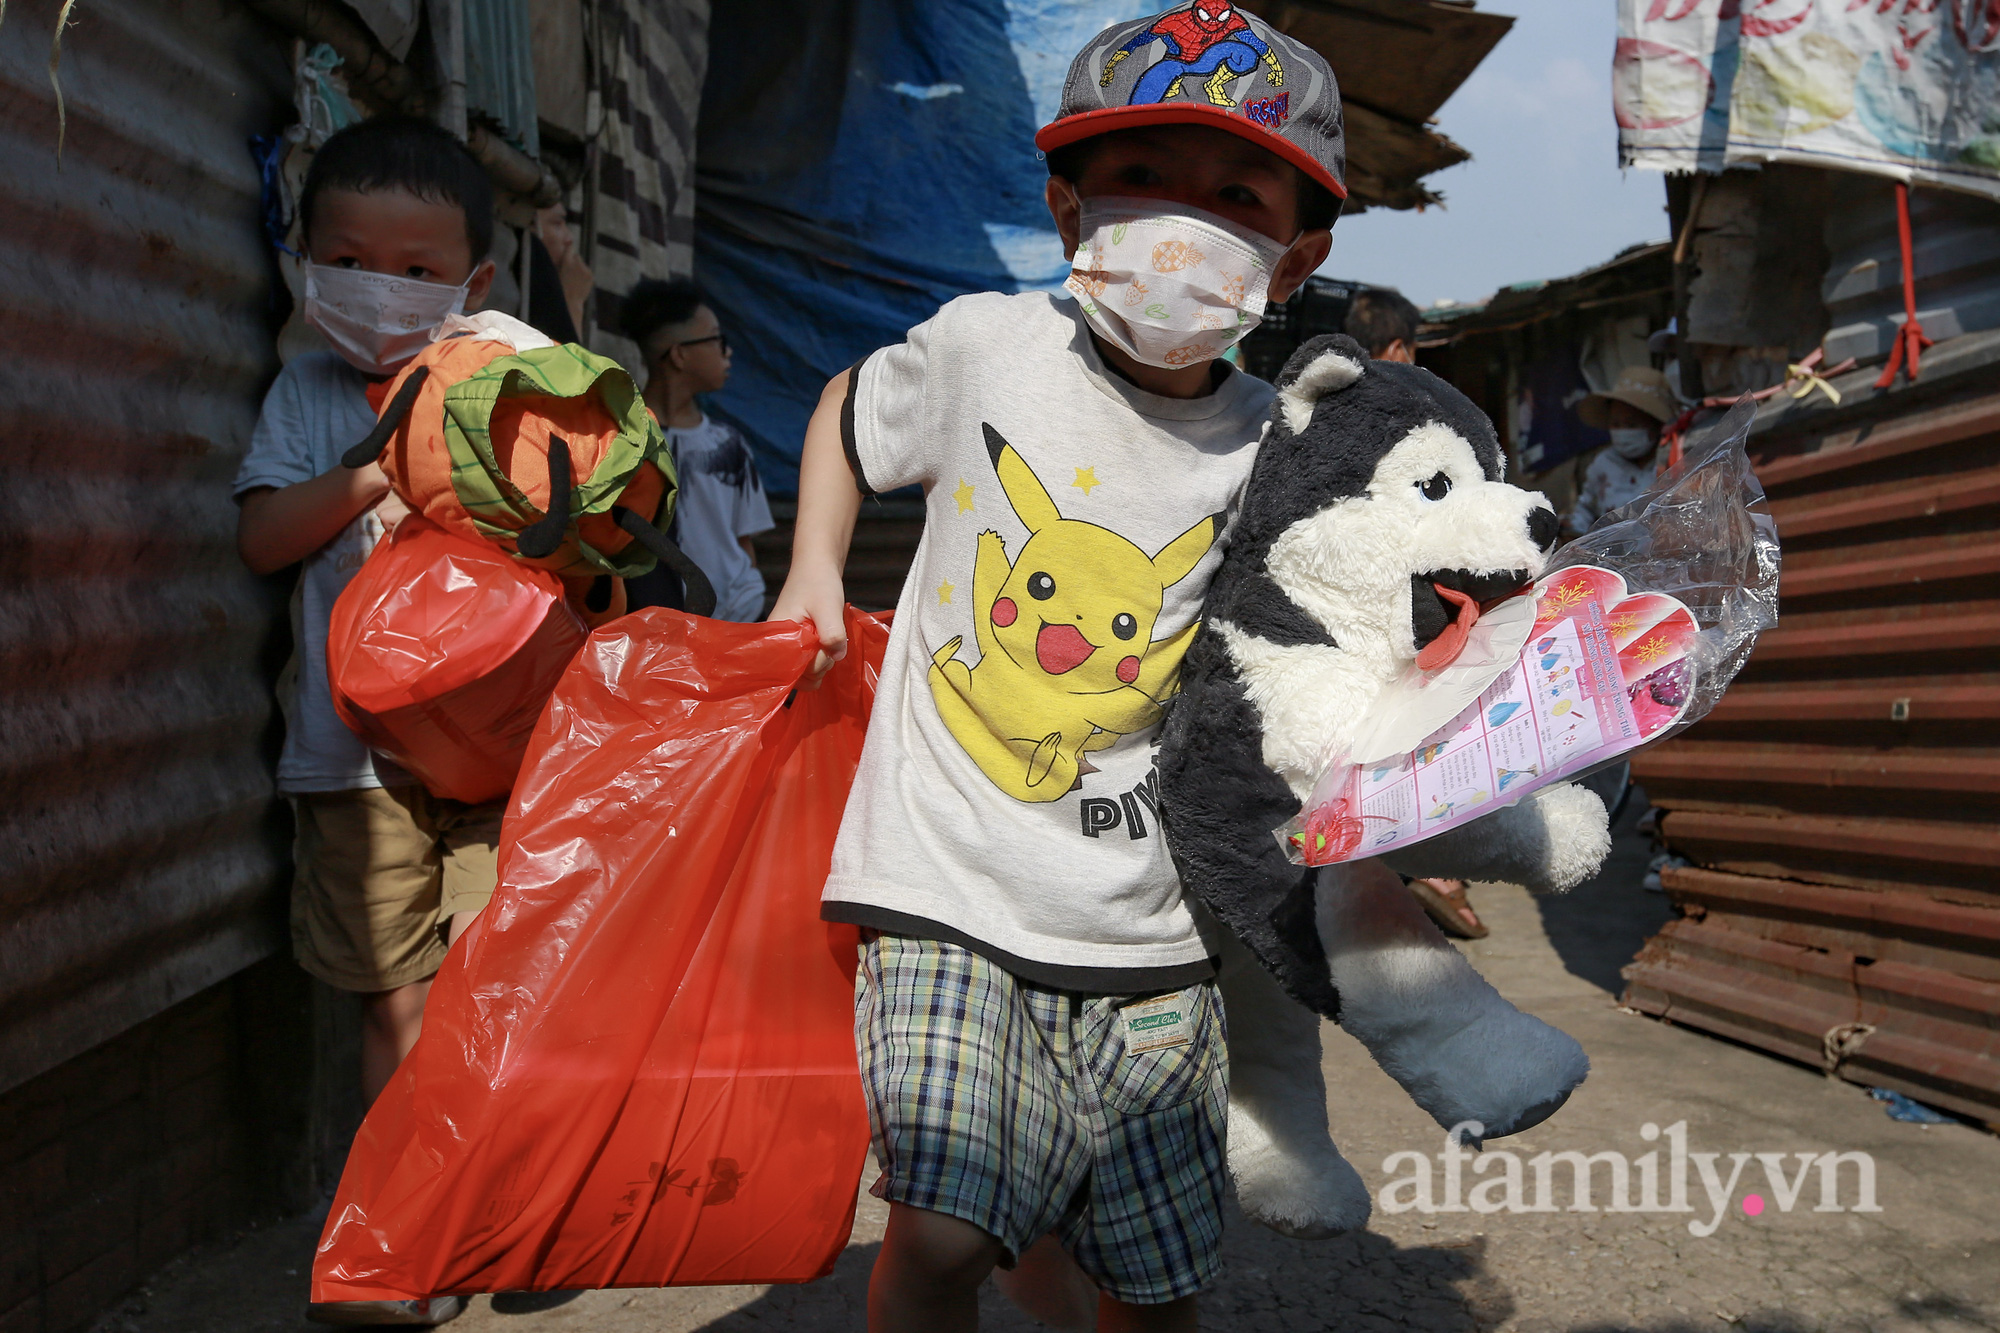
x=721, y=342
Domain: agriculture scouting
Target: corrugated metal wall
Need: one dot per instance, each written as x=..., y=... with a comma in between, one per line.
x=500, y=69
x=1841, y=806
x=140, y=850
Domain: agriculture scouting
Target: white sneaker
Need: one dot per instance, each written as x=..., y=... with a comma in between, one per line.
x=426, y=1313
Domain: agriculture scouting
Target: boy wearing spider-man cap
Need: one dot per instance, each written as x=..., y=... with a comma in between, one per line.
x=1040, y=1038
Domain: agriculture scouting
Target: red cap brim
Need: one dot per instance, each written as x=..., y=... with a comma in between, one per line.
x=1088, y=124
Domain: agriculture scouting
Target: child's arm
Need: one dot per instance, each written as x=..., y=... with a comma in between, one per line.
x=279, y=526
x=829, y=502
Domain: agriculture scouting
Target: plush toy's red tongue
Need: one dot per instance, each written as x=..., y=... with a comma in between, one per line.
x=1061, y=648
x=1442, y=651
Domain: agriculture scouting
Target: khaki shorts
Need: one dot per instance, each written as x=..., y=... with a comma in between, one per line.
x=380, y=873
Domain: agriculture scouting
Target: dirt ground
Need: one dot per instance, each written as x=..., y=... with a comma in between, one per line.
x=1929, y=1259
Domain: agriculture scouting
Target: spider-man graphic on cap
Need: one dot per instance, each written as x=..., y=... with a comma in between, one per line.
x=1207, y=38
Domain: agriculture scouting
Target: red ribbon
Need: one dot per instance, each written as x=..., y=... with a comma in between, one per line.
x=1910, y=339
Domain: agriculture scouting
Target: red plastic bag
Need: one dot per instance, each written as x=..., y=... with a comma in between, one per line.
x=638, y=1067
x=442, y=652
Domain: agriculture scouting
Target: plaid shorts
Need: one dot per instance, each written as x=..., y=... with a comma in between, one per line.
x=1018, y=1109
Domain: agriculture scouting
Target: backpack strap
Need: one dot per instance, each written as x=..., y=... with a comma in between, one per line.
x=372, y=444
x=700, y=592
x=543, y=536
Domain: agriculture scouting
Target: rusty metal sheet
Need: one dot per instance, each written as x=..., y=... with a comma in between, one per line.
x=140, y=850
x=1922, y=1031
x=1828, y=451
x=1898, y=699
x=1859, y=507
x=1955, y=774
x=1835, y=849
x=1859, y=745
x=1957, y=937
x=1907, y=634
x=1842, y=805
x=1846, y=571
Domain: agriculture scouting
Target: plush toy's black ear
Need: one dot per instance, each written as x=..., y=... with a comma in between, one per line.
x=1324, y=365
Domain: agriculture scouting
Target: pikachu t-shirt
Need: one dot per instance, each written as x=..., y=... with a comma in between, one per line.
x=1007, y=796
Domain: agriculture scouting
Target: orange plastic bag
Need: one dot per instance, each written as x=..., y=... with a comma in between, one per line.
x=638, y=1067
x=441, y=653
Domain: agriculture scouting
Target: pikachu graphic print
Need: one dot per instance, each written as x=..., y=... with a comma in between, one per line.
x=1065, y=661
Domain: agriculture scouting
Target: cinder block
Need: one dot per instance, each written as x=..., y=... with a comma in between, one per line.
x=32, y=1186
x=106, y=1075
x=88, y=1229
x=24, y=1317
x=198, y=1108
x=194, y=1195
x=118, y=1161
x=31, y=1116
x=72, y=1304
x=109, y=1146
x=20, y=1270
x=187, y=1169
x=174, y=1226
x=197, y=1045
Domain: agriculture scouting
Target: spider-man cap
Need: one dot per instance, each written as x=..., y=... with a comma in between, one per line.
x=1208, y=63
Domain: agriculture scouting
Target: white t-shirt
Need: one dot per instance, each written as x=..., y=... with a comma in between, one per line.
x=316, y=410
x=1006, y=798
x=721, y=500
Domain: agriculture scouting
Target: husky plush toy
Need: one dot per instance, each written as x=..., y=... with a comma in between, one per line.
x=1373, y=524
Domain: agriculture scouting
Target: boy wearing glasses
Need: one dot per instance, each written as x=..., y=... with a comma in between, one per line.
x=722, y=505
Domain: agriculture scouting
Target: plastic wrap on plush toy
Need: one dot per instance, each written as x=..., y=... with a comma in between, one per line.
x=1633, y=634
x=1704, y=536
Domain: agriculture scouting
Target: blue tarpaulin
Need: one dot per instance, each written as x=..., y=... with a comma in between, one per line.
x=859, y=164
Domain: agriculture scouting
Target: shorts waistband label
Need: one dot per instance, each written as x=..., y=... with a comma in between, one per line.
x=1157, y=1024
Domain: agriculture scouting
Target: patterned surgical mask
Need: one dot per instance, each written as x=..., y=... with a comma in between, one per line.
x=1173, y=286
x=1632, y=443
x=377, y=321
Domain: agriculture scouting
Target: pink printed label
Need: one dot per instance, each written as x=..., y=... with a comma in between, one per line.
x=1601, y=674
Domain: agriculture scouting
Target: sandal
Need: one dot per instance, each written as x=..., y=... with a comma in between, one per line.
x=1443, y=900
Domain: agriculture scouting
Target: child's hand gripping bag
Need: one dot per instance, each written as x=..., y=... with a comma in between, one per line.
x=637, y=1068
x=441, y=653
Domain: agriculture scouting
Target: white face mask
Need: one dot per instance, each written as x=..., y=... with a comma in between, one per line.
x=377, y=321
x=1632, y=443
x=1170, y=285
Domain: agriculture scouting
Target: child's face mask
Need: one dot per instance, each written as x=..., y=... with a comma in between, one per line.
x=377, y=321
x=1632, y=443
x=1171, y=285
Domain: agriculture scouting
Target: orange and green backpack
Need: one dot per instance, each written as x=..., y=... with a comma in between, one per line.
x=548, y=452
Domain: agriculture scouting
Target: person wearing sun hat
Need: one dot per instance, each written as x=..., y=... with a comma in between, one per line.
x=1633, y=410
